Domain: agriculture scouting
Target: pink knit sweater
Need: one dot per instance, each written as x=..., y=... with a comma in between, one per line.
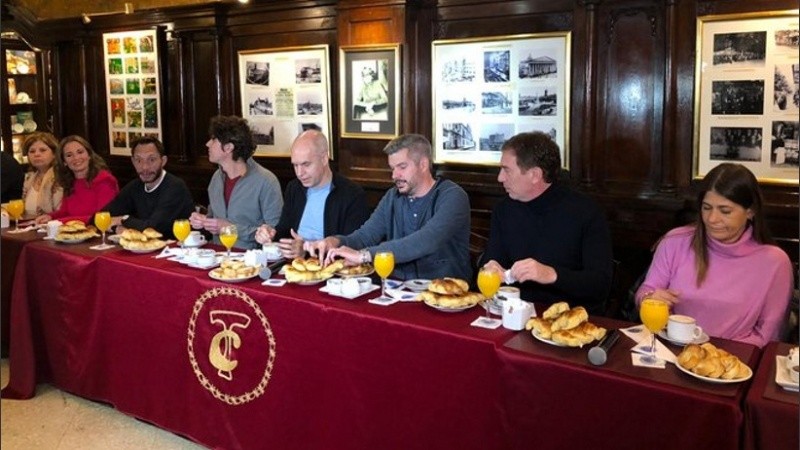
x=746, y=291
x=86, y=199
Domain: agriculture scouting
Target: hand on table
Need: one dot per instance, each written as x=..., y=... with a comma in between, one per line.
x=321, y=248
x=265, y=234
x=531, y=270
x=292, y=247
x=351, y=257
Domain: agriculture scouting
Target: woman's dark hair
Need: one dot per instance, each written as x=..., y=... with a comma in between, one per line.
x=233, y=130
x=64, y=176
x=736, y=183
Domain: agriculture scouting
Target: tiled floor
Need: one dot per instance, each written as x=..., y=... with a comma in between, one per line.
x=55, y=420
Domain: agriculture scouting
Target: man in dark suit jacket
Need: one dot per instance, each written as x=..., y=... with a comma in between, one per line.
x=318, y=202
x=11, y=175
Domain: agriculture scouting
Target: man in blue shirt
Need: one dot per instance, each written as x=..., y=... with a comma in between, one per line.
x=318, y=202
x=424, y=221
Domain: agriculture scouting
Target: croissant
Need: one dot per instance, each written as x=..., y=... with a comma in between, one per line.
x=152, y=233
x=555, y=310
x=449, y=286
x=691, y=355
x=541, y=327
x=570, y=319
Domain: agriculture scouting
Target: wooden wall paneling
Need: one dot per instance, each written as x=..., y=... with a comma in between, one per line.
x=669, y=161
x=584, y=60
x=630, y=95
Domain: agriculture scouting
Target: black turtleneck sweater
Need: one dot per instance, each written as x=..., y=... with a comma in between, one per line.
x=563, y=229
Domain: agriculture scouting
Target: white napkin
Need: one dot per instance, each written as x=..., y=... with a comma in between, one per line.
x=402, y=295
x=637, y=360
x=383, y=302
x=489, y=324
x=274, y=282
x=167, y=252
x=22, y=230
x=642, y=336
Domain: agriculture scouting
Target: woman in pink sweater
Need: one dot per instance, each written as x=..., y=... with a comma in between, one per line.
x=87, y=183
x=724, y=270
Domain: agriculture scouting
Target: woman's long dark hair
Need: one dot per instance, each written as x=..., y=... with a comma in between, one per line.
x=737, y=184
x=64, y=175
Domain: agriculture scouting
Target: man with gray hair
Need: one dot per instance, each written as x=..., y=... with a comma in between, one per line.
x=424, y=221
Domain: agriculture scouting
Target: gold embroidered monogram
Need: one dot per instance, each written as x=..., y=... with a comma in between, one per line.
x=230, y=328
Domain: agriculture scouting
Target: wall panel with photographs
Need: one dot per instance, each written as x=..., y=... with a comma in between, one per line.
x=133, y=87
x=748, y=94
x=487, y=90
x=285, y=92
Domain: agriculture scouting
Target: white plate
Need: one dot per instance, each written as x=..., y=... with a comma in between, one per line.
x=146, y=250
x=701, y=340
x=72, y=241
x=366, y=274
x=372, y=288
x=450, y=310
x=309, y=282
x=196, y=265
x=417, y=285
x=548, y=341
x=716, y=380
x=782, y=374
x=29, y=126
x=212, y=275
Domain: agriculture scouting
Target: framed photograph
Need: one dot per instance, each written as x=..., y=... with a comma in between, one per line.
x=284, y=92
x=486, y=90
x=133, y=88
x=370, y=93
x=747, y=94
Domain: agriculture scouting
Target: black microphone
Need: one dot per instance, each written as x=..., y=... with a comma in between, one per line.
x=599, y=354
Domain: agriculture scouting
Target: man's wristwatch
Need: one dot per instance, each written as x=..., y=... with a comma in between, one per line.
x=365, y=256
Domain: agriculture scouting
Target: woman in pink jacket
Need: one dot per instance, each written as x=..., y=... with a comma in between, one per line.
x=87, y=183
x=724, y=270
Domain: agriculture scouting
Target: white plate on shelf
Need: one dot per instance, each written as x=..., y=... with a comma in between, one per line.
x=29, y=126
x=449, y=309
x=701, y=340
x=782, y=374
x=548, y=341
x=372, y=288
x=716, y=380
x=417, y=285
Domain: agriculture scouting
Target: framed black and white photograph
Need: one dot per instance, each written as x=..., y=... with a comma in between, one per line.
x=485, y=90
x=282, y=89
x=133, y=87
x=747, y=94
x=370, y=81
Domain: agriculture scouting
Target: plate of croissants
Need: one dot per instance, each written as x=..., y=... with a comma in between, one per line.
x=310, y=271
x=449, y=295
x=709, y=363
x=145, y=241
x=563, y=326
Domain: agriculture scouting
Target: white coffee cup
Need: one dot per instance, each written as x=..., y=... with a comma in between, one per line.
x=52, y=228
x=206, y=257
x=364, y=283
x=683, y=328
x=334, y=286
x=508, y=292
x=272, y=250
x=195, y=239
x=350, y=287
x=516, y=314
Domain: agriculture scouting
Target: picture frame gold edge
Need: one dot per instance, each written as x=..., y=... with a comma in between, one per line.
x=343, y=50
x=700, y=23
x=566, y=34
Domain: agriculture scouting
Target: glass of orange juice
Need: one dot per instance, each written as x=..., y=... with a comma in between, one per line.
x=181, y=229
x=228, y=236
x=15, y=209
x=488, y=283
x=384, y=265
x=102, y=220
x=654, y=314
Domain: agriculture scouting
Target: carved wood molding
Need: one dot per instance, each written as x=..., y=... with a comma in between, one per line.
x=614, y=16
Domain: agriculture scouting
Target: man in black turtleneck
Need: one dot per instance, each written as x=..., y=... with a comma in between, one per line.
x=554, y=240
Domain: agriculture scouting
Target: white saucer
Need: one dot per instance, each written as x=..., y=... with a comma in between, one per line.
x=701, y=340
x=782, y=374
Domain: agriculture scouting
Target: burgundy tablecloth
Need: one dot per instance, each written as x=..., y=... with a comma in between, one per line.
x=773, y=414
x=340, y=374
x=554, y=392
x=10, y=247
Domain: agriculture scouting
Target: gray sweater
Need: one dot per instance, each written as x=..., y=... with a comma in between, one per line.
x=256, y=199
x=439, y=248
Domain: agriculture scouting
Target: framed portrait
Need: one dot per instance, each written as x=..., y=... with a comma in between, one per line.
x=370, y=93
x=486, y=90
x=284, y=92
x=133, y=87
x=747, y=94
